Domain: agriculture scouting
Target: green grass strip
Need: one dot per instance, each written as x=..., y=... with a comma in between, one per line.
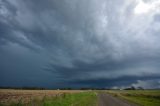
x=78, y=99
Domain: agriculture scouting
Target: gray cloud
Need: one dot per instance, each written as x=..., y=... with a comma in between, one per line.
x=148, y=84
x=80, y=40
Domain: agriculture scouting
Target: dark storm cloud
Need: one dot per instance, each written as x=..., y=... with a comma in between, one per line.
x=84, y=42
x=125, y=81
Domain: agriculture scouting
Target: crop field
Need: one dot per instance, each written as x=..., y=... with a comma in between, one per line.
x=139, y=97
x=78, y=97
x=47, y=98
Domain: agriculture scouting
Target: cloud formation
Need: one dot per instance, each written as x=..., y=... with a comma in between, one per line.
x=79, y=43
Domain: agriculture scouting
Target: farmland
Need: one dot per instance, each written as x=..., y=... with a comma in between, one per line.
x=47, y=98
x=9, y=97
x=139, y=97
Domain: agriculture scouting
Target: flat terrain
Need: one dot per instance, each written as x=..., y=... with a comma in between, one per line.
x=105, y=99
x=139, y=97
x=9, y=97
x=47, y=98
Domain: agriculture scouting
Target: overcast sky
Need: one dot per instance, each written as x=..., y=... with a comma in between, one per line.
x=80, y=43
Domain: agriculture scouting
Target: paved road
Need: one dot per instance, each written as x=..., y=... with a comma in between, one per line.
x=105, y=99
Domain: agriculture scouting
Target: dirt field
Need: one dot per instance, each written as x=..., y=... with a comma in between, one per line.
x=9, y=95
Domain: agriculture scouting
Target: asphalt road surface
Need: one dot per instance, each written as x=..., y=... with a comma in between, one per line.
x=105, y=99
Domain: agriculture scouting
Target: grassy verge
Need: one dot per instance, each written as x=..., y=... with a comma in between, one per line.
x=144, y=101
x=76, y=99
x=80, y=99
x=140, y=97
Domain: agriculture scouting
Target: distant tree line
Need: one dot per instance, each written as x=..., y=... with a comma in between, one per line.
x=133, y=88
x=24, y=88
x=69, y=88
x=41, y=88
x=94, y=89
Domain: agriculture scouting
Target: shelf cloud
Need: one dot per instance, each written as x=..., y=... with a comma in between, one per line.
x=79, y=43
